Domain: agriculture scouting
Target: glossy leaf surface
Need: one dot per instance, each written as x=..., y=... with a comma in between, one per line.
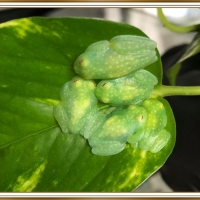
x=192, y=49
x=37, y=56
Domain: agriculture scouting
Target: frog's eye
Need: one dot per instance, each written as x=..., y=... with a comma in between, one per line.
x=141, y=118
x=75, y=81
x=81, y=62
x=105, y=85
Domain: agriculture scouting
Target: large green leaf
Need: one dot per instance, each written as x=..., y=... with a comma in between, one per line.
x=37, y=56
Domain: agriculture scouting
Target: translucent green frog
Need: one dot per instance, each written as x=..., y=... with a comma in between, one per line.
x=152, y=136
x=121, y=56
x=78, y=104
x=110, y=138
x=130, y=89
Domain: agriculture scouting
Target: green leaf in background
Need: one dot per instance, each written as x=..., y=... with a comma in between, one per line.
x=192, y=49
x=37, y=56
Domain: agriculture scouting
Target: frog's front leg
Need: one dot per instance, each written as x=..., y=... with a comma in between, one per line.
x=61, y=117
x=159, y=142
x=106, y=148
x=135, y=137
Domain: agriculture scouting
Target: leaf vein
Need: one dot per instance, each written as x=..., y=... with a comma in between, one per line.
x=30, y=135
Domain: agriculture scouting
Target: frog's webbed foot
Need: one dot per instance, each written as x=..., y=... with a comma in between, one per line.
x=153, y=145
x=160, y=142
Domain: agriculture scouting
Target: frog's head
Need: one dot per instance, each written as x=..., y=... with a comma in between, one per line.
x=87, y=63
x=80, y=84
x=139, y=114
x=81, y=64
x=103, y=91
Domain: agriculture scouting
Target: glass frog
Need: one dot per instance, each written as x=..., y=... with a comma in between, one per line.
x=121, y=56
x=152, y=136
x=130, y=89
x=78, y=104
x=110, y=138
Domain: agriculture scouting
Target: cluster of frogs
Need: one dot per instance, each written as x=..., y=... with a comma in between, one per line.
x=132, y=117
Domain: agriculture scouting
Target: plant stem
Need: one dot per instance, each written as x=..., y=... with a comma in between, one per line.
x=173, y=27
x=163, y=91
x=104, y=107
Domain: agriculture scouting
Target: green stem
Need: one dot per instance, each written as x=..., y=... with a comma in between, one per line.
x=163, y=91
x=103, y=106
x=172, y=27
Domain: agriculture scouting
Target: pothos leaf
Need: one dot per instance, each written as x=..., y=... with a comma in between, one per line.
x=192, y=49
x=37, y=56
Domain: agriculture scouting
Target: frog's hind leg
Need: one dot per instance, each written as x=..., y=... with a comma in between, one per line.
x=108, y=148
x=160, y=141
